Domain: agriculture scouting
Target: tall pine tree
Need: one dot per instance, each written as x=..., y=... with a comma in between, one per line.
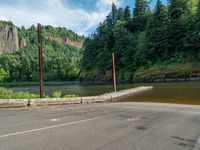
x=176, y=28
x=141, y=7
x=139, y=20
x=157, y=32
x=127, y=14
x=192, y=37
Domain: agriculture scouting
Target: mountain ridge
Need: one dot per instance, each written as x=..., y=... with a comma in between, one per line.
x=13, y=38
x=61, y=54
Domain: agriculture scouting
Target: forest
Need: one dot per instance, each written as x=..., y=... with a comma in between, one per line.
x=149, y=43
x=61, y=60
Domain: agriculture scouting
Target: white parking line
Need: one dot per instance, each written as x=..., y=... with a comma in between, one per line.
x=59, y=125
x=197, y=145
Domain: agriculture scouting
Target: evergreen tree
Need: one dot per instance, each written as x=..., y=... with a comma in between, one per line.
x=139, y=20
x=148, y=39
x=141, y=7
x=113, y=14
x=192, y=6
x=120, y=14
x=127, y=14
x=160, y=15
x=176, y=26
x=157, y=33
x=192, y=39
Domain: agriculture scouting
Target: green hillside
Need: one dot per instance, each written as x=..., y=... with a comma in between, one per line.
x=61, y=55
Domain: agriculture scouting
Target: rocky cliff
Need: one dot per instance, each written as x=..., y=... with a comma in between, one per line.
x=9, y=40
x=66, y=41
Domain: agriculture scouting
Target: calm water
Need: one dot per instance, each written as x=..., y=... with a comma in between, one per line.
x=81, y=90
x=186, y=92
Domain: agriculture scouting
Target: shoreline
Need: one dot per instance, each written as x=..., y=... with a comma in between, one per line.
x=13, y=103
x=90, y=82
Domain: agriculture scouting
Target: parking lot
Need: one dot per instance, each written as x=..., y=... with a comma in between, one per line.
x=106, y=126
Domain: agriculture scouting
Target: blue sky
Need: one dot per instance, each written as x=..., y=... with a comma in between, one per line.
x=81, y=16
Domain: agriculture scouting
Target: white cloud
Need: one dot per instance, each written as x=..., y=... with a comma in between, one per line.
x=108, y=3
x=3, y=18
x=53, y=2
x=54, y=12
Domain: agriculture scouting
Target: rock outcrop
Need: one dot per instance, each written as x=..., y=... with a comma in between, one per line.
x=9, y=40
x=22, y=43
x=66, y=41
x=73, y=43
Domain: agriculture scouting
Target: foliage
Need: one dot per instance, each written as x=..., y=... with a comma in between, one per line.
x=70, y=96
x=56, y=94
x=3, y=75
x=165, y=71
x=60, y=60
x=9, y=94
x=168, y=36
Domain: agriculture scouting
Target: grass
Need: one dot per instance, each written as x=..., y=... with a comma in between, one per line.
x=10, y=94
x=58, y=94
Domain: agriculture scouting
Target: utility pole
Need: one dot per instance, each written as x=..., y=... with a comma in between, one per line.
x=113, y=73
x=40, y=60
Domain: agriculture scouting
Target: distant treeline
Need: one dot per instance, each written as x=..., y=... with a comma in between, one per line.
x=168, y=35
x=61, y=61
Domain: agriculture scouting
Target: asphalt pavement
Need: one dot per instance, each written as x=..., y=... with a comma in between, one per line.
x=105, y=126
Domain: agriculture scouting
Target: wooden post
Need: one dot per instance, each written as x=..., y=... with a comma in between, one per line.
x=113, y=73
x=40, y=60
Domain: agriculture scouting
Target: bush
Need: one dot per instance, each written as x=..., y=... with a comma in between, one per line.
x=3, y=75
x=9, y=94
x=70, y=96
x=125, y=75
x=57, y=94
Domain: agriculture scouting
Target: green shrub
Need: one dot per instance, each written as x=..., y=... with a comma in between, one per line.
x=70, y=96
x=9, y=94
x=5, y=93
x=25, y=95
x=56, y=94
x=3, y=74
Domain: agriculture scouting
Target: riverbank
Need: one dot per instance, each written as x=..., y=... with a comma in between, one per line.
x=160, y=72
x=168, y=73
x=76, y=100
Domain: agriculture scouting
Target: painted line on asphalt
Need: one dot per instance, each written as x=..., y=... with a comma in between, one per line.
x=59, y=125
x=197, y=145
